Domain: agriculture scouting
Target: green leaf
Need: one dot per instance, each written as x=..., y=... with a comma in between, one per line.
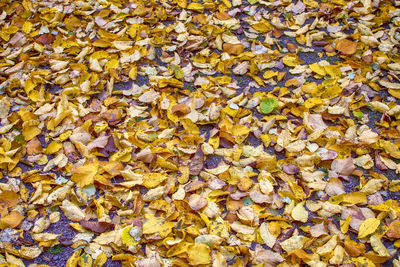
x=358, y=114
x=268, y=105
x=55, y=250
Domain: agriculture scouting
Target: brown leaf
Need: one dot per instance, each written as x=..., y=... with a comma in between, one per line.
x=291, y=47
x=394, y=230
x=194, y=185
x=34, y=147
x=10, y=198
x=234, y=49
x=222, y=15
x=180, y=109
x=197, y=162
x=70, y=152
x=290, y=168
x=379, y=163
x=112, y=116
x=346, y=47
x=343, y=166
x=109, y=148
x=97, y=227
x=45, y=39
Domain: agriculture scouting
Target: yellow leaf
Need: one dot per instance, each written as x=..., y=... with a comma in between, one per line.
x=297, y=190
x=354, y=198
x=333, y=71
x=85, y=174
x=395, y=93
x=153, y=225
x=214, y=141
x=181, y=3
x=166, y=229
x=100, y=260
x=123, y=155
x=185, y=174
x=152, y=180
x=53, y=147
x=269, y=74
x=30, y=253
x=85, y=260
x=133, y=73
x=390, y=148
x=240, y=130
x=328, y=89
x=180, y=248
x=190, y=126
x=112, y=64
x=363, y=261
x=27, y=27
x=299, y=213
x=368, y=227
x=318, y=69
x=13, y=261
x=73, y=260
x=227, y=3
x=196, y=6
x=11, y=220
x=344, y=225
x=30, y=132
x=312, y=102
x=268, y=238
x=378, y=246
x=199, y=254
x=291, y=61
x=10, y=198
x=262, y=26
x=328, y=246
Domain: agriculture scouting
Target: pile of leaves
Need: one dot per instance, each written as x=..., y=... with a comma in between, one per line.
x=175, y=133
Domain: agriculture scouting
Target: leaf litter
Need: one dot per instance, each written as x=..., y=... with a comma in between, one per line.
x=113, y=113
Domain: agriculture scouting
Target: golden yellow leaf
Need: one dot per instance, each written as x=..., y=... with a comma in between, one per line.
x=85, y=260
x=11, y=220
x=152, y=180
x=30, y=132
x=133, y=73
x=199, y=254
x=153, y=225
x=100, y=260
x=318, y=69
x=73, y=260
x=196, y=6
x=84, y=175
x=368, y=227
x=53, y=147
x=27, y=27
x=312, y=102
